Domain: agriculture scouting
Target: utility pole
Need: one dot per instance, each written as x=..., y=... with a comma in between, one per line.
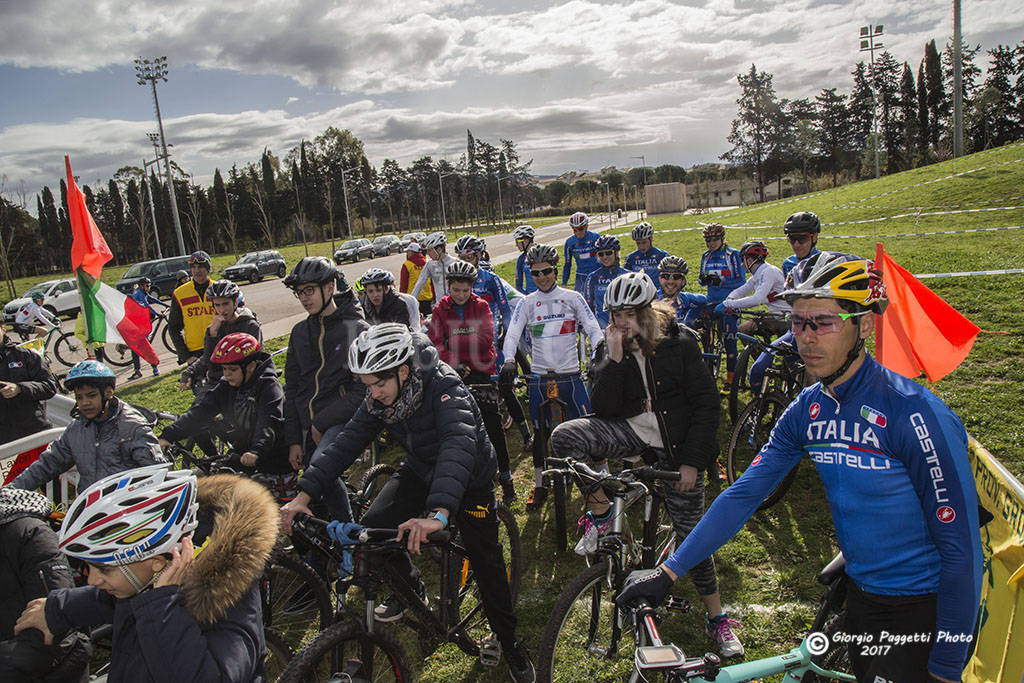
x=868, y=44
x=150, y=71
x=344, y=191
x=153, y=137
x=643, y=183
x=958, y=86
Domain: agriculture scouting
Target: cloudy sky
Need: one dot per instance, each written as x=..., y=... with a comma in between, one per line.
x=578, y=85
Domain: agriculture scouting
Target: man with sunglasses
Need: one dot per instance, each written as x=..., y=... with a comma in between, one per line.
x=581, y=248
x=893, y=459
x=607, y=247
x=721, y=271
x=802, y=230
x=552, y=316
x=672, y=276
x=191, y=310
x=320, y=393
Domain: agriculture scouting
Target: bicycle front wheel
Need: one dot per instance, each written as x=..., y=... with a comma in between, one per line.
x=750, y=434
x=582, y=640
x=740, y=392
x=69, y=349
x=117, y=354
x=296, y=601
x=165, y=336
x=346, y=652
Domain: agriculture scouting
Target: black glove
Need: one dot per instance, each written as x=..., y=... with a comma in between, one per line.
x=710, y=279
x=462, y=370
x=647, y=585
x=508, y=373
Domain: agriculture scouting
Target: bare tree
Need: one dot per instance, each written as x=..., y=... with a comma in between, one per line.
x=262, y=206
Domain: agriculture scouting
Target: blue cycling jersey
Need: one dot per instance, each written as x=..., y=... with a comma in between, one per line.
x=524, y=278
x=489, y=288
x=792, y=260
x=584, y=253
x=647, y=262
x=726, y=264
x=689, y=306
x=597, y=285
x=893, y=459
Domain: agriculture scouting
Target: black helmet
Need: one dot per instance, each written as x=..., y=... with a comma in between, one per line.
x=146, y=281
x=755, y=249
x=542, y=253
x=180, y=275
x=673, y=265
x=802, y=223
x=224, y=289
x=312, y=269
x=200, y=258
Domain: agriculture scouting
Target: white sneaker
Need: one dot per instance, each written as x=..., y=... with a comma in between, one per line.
x=719, y=629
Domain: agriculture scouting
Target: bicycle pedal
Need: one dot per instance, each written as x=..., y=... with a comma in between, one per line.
x=677, y=604
x=490, y=651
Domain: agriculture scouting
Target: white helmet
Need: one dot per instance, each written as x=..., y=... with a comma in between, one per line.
x=523, y=232
x=629, y=290
x=382, y=347
x=130, y=516
x=578, y=220
x=434, y=240
x=643, y=231
x=461, y=270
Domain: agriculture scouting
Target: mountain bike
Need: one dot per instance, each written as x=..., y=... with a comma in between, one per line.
x=121, y=354
x=754, y=345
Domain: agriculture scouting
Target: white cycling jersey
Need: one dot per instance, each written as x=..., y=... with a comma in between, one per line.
x=414, y=310
x=434, y=269
x=552, y=319
x=763, y=287
x=31, y=311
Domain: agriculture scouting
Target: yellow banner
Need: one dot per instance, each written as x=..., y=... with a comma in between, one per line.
x=999, y=655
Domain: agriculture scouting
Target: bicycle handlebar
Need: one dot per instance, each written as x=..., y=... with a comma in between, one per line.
x=367, y=534
x=645, y=473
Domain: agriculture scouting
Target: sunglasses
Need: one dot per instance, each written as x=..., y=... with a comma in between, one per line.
x=820, y=322
x=542, y=271
x=709, y=240
x=608, y=252
x=302, y=292
x=672, y=276
x=799, y=239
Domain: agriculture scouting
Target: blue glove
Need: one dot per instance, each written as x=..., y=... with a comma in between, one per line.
x=344, y=533
x=647, y=585
x=720, y=309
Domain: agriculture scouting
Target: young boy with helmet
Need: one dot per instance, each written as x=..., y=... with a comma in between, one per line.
x=462, y=331
x=607, y=249
x=320, y=393
x=181, y=589
x=34, y=311
x=647, y=256
x=143, y=298
x=107, y=435
x=552, y=316
x=523, y=236
x=250, y=402
x=230, y=317
x=721, y=271
x=762, y=289
x=643, y=347
x=447, y=471
x=382, y=304
x=180, y=278
x=893, y=460
x=433, y=271
x=25, y=386
x=191, y=310
x=802, y=230
x=580, y=247
x=410, y=273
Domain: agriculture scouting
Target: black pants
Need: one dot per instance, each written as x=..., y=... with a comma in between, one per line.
x=879, y=658
x=404, y=496
x=486, y=395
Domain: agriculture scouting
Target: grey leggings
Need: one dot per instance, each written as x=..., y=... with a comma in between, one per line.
x=593, y=439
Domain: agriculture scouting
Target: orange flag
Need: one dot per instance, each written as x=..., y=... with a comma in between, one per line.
x=919, y=331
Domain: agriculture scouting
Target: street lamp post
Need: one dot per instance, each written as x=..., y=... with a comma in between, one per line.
x=643, y=183
x=150, y=71
x=344, y=192
x=867, y=44
x=440, y=187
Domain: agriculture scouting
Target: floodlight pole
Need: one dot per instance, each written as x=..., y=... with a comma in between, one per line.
x=344, y=192
x=868, y=44
x=958, y=86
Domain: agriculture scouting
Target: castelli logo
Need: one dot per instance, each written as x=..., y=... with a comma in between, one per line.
x=815, y=409
x=538, y=304
x=945, y=514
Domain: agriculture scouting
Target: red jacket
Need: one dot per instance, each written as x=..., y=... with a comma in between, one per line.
x=469, y=339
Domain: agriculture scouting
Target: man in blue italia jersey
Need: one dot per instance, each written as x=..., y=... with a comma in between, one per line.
x=523, y=236
x=893, y=459
x=802, y=230
x=607, y=247
x=488, y=285
x=647, y=256
x=580, y=249
x=688, y=305
x=721, y=271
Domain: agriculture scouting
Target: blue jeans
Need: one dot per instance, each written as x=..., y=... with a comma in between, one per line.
x=336, y=495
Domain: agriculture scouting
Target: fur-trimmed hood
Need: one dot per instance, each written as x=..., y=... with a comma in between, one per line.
x=245, y=521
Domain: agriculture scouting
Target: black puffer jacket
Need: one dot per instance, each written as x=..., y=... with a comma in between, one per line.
x=684, y=395
x=319, y=390
x=25, y=413
x=245, y=322
x=253, y=415
x=444, y=442
x=392, y=310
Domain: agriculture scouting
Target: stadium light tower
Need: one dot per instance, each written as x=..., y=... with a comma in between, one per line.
x=868, y=43
x=150, y=71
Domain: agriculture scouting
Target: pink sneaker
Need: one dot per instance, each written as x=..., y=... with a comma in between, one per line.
x=592, y=529
x=719, y=629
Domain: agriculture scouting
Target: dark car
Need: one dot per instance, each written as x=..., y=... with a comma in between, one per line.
x=385, y=245
x=254, y=265
x=161, y=273
x=353, y=250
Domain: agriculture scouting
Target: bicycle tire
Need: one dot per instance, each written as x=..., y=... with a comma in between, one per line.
x=296, y=601
x=329, y=655
x=837, y=656
x=165, y=336
x=559, y=493
x=118, y=355
x=711, y=346
x=744, y=445
x=278, y=655
x=659, y=537
x=740, y=390
x=370, y=484
x=69, y=350
x=585, y=608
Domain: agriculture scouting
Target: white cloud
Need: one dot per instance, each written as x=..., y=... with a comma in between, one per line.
x=291, y=100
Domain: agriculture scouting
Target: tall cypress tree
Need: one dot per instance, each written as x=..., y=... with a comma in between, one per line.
x=885, y=77
x=908, y=117
x=923, y=120
x=938, y=100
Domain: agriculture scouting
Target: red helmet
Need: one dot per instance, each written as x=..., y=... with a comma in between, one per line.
x=235, y=348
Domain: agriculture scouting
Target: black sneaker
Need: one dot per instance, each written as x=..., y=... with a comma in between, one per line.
x=537, y=497
x=520, y=666
x=524, y=431
x=135, y=375
x=391, y=609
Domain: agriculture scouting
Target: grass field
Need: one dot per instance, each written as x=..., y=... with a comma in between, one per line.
x=767, y=571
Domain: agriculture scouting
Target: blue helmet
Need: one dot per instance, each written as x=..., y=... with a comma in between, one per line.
x=90, y=372
x=606, y=242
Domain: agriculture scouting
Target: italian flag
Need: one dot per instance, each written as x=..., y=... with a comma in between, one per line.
x=110, y=316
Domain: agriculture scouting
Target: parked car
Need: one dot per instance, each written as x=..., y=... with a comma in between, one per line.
x=385, y=245
x=254, y=265
x=353, y=250
x=60, y=297
x=161, y=273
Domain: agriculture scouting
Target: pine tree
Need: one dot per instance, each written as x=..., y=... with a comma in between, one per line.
x=752, y=127
x=861, y=108
x=885, y=77
x=834, y=129
x=911, y=132
x=938, y=100
x=923, y=120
